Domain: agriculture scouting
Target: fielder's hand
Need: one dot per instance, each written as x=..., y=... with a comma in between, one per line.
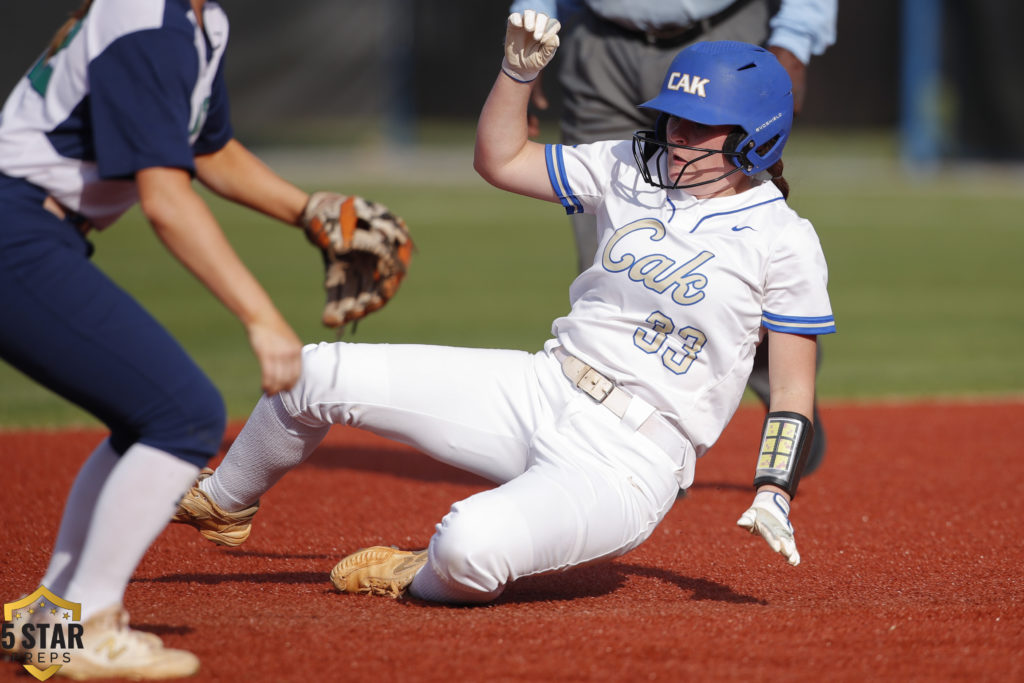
x=769, y=516
x=530, y=42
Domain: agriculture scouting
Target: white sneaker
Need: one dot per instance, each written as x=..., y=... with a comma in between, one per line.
x=113, y=650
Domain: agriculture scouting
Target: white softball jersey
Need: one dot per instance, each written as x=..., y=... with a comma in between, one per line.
x=671, y=311
x=675, y=301
x=137, y=84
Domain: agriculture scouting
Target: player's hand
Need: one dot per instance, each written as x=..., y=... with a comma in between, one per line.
x=279, y=352
x=530, y=42
x=769, y=517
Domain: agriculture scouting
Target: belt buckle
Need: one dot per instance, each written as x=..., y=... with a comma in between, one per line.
x=595, y=385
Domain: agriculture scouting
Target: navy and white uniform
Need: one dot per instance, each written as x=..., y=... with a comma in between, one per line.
x=137, y=84
x=670, y=311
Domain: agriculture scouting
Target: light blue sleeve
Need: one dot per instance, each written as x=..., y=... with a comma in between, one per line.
x=804, y=27
x=552, y=8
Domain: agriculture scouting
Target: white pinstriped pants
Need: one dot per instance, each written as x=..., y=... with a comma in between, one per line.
x=575, y=484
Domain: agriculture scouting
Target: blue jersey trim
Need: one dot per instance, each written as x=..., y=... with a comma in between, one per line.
x=559, y=181
x=825, y=324
x=560, y=156
x=726, y=213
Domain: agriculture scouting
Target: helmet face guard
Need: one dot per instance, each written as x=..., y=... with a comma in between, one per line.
x=650, y=149
x=721, y=83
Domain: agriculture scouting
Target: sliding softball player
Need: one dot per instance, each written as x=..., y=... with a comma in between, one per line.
x=589, y=439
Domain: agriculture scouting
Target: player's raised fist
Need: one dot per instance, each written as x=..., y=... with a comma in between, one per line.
x=531, y=39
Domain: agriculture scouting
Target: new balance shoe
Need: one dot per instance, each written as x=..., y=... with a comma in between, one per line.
x=214, y=522
x=113, y=650
x=378, y=570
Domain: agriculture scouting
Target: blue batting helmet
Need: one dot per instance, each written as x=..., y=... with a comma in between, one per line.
x=728, y=83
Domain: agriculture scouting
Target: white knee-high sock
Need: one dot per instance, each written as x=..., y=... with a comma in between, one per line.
x=271, y=443
x=134, y=505
x=77, y=513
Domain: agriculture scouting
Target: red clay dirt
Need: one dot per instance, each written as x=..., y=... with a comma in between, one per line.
x=911, y=567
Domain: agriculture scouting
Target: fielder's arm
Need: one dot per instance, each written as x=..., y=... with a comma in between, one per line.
x=238, y=175
x=184, y=223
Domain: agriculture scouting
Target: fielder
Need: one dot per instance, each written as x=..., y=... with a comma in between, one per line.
x=127, y=106
x=590, y=439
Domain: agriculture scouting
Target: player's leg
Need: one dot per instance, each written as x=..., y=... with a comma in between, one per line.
x=72, y=330
x=78, y=509
x=596, y=491
x=454, y=404
x=222, y=504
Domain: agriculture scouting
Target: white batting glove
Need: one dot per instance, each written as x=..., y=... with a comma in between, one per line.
x=768, y=515
x=531, y=39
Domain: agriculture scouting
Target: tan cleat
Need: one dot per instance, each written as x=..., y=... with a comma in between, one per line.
x=214, y=522
x=112, y=650
x=378, y=570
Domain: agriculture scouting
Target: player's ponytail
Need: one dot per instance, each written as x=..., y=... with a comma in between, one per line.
x=62, y=33
x=775, y=171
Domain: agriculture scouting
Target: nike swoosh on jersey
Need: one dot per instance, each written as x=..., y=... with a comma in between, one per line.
x=738, y=228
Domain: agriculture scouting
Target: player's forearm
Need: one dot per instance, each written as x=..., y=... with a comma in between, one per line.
x=792, y=360
x=188, y=229
x=238, y=175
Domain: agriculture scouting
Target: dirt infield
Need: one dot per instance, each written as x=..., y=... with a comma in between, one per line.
x=912, y=567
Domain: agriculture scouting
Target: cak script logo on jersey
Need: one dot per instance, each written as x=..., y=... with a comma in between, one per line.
x=687, y=83
x=658, y=272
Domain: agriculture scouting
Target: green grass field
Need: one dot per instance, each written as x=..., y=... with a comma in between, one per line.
x=925, y=277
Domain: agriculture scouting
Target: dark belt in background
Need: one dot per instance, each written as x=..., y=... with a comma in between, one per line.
x=677, y=36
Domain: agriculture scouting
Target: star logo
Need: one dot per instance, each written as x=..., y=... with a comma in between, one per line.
x=50, y=642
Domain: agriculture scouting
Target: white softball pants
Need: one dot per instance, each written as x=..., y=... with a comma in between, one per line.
x=575, y=484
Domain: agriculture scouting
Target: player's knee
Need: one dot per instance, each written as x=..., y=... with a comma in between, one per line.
x=319, y=365
x=335, y=376
x=191, y=427
x=464, y=552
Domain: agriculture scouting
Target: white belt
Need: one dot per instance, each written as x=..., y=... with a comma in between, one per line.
x=635, y=413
